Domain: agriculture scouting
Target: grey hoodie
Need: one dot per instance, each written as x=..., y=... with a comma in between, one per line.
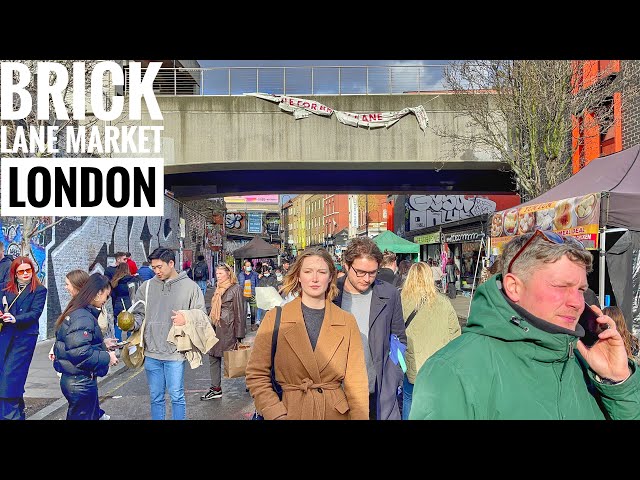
x=180, y=293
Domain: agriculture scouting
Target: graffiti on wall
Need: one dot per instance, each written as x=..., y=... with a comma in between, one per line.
x=87, y=242
x=11, y=235
x=232, y=245
x=430, y=210
x=235, y=222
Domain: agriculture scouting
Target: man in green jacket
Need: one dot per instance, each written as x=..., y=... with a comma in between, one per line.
x=521, y=355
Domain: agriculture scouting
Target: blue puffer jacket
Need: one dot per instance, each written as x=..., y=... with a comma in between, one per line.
x=252, y=276
x=79, y=347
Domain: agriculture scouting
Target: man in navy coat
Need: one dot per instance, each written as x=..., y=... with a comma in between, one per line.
x=378, y=311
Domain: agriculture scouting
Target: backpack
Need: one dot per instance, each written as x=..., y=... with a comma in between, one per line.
x=199, y=271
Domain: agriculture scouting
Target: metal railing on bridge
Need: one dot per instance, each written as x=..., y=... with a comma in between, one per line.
x=300, y=80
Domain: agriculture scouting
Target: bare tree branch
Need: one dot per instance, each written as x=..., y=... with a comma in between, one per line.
x=35, y=231
x=524, y=113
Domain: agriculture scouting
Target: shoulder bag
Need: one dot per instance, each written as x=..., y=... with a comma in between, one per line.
x=397, y=349
x=133, y=353
x=413, y=314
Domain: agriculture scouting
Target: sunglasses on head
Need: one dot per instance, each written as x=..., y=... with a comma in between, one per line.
x=550, y=237
x=26, y=271
x=223, y=265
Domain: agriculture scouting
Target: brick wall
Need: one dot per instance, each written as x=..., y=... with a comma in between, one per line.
x=630, y=107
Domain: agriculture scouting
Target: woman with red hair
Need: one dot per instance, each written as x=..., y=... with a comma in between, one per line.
x=22, y=303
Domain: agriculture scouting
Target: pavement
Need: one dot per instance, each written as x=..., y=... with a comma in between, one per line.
x=42, y=390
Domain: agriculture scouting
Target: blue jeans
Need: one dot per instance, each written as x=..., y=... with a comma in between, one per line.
x=407, y=395
x=260, y=315
x=166, y=375
x=203, y=286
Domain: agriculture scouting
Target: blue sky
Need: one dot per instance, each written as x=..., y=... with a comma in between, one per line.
x=299, y=80
x=284, y=63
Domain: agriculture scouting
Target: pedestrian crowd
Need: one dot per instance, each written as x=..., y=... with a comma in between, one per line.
x=367, y=336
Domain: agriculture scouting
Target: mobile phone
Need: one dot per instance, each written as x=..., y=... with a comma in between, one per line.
x=591, y=326
x=122, y=344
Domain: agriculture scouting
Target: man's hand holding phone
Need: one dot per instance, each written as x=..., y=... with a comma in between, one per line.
x=603, y=347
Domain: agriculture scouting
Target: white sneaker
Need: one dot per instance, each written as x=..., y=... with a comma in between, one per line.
x=105, y=417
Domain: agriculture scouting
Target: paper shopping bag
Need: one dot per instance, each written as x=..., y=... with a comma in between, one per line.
x=235, y=361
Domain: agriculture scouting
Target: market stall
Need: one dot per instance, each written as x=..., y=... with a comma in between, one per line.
x=600, y=206
x=257, y=249
x=393, y=243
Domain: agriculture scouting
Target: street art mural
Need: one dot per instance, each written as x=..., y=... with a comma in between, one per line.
x=231, y=245
x=11, y=235
x=422, y=211
x=87, y=242
x=235, y=222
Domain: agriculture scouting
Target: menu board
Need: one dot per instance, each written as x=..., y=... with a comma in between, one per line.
x=578, y=217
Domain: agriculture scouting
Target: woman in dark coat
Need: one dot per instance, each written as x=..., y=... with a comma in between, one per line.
x=23, y=300
x=227, y=314
x=80, y=353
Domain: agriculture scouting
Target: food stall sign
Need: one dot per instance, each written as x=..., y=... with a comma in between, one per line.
x=460, y=237
x=427, y=238
x=578, y=217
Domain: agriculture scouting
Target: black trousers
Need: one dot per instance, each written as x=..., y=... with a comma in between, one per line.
x=252, y=309
x=372, y=406
x=81, y=391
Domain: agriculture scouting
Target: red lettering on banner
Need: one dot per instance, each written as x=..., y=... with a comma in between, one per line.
x=371, y=117
x=308, y=105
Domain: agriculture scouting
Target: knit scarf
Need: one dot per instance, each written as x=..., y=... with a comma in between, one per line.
x=216, y=301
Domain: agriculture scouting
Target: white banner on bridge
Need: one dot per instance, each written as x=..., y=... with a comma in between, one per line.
x=382, y=119
x=301, y=108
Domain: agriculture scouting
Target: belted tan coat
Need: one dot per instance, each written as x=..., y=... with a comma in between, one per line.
x=328, y=383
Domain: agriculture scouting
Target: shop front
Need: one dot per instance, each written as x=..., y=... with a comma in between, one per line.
x=429, y=246
x=465, y=244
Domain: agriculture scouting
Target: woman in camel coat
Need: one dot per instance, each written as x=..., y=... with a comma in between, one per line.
x=319, y=360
